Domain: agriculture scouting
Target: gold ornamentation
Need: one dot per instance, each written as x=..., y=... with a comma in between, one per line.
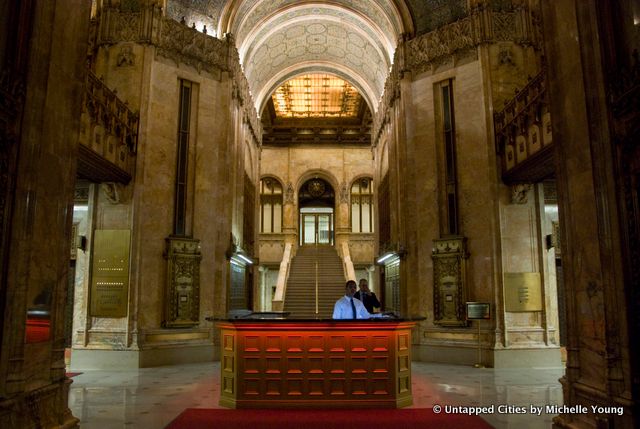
x=449, y=271
x=182, y=293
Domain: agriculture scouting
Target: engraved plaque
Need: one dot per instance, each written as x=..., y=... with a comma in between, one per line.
x=522, y=292
x=110, y=273
x=478, y=311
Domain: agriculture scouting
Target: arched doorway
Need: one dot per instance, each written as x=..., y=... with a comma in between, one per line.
x=316, y=201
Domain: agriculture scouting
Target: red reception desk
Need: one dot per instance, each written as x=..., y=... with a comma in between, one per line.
x=282, y=363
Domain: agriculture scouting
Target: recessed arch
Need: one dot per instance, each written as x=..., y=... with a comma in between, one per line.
x=317, y=172
x=273, y=177
x=352, y=39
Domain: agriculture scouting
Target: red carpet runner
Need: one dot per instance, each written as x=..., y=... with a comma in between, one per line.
x=408, y=418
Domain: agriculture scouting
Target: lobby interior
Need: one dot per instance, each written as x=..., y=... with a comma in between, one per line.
x=169, y=163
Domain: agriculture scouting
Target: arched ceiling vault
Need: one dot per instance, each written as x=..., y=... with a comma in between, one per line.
x=279, y=39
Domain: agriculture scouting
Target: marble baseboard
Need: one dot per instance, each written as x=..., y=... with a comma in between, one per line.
x=506, y=358
x=88, y=359
x=528, y=358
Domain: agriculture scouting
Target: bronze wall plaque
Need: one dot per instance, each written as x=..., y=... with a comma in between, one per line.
x=110, y=273
x=478, y=311
x=522, y=292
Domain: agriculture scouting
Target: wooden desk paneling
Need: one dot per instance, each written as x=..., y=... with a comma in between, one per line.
x=316, y=364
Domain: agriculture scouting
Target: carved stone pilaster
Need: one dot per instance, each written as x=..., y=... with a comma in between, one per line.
x=449, y=281
x=289, y=194
x=182, y=292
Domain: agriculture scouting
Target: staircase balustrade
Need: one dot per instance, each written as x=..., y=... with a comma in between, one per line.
x=283, y=274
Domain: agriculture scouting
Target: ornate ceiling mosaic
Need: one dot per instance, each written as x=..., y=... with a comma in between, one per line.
x=316, y=96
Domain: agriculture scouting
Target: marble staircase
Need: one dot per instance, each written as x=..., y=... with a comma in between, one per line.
x=300, y=296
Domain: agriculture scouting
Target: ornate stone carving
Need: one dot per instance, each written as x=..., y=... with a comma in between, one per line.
x=126, y=57
x=186, y=45
x=344, y=193
x=111, y=191
x=182, y=292
x=482, y=25
x=519, y=193
x=391, y=93
x=181, y=44
x=505, y=56
x=288, y=196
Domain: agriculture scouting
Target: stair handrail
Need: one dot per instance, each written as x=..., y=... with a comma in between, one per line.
x=347, y=263
x=277, y=303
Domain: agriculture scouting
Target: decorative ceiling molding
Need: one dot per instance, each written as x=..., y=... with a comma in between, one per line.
x=354, y=39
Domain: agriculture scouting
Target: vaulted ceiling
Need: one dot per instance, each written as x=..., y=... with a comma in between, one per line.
x=280, y=39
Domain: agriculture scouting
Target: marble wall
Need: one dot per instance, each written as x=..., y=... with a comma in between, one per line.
x=222, y=152
x=340, y=166
x=501, y=236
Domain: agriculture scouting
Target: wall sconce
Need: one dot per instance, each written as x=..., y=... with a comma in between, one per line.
x=245, y=258
x=389, y=254
x=385, y=256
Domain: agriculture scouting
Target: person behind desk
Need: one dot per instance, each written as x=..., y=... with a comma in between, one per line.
x=367, y=297
x=349, y=307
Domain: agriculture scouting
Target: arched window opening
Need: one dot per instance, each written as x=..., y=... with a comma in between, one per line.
x=362, y=205
x=270, y=206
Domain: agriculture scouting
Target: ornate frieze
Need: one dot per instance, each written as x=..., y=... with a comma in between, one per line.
x=390, y=94
x=241, y=89
x=182, y=293
x=454, y=41
x=482, y=25
x=116, y=26
x=186, y=45
x=180, y=43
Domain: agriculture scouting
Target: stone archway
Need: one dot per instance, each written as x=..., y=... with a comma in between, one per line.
x=316, y=208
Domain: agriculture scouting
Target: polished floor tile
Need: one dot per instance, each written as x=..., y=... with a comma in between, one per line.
x=150, y=398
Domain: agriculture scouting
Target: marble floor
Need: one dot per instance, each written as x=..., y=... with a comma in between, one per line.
x=150, y=398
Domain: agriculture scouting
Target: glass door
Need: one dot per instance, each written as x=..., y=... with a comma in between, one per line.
x=323, y=228
x=316, y=228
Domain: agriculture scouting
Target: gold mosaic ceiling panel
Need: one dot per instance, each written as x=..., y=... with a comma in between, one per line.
x=316, y=96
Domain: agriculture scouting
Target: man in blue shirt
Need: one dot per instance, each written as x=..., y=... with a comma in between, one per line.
x=349, y=307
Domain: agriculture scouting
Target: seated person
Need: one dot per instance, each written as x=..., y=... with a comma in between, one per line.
x=349, y=307
x=367, y=297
